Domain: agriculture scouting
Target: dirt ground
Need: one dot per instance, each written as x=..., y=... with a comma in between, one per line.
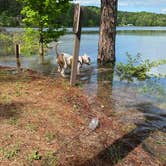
x=44, y=121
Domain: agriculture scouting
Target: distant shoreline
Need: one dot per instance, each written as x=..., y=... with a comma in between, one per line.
x=96, y=29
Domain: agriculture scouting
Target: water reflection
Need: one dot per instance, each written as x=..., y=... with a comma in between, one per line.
x=128, y=103
x=6, y=48
x=47, y=68
x=105, y=77
x=120, y=148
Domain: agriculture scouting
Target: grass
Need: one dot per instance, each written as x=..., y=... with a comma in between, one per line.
x=161, y=143
x=50, y=110
x=49, y=136
x=34, y=156
x=5, y=98
x=115, y=153
x=79, y=84
x=49, y=159
x=18, y=89
x=13, y=121
x=128, y=128
x=8, y=136
x=31, y=127
x=11, y=152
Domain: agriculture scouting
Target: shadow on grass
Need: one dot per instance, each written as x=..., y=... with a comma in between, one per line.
x=10, y=110
x=12, y=75
x=120, y=148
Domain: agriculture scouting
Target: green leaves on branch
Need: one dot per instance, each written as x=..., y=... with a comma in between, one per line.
x=27, y=39
x=29, y=45
x=136, y=68
x=44, y=15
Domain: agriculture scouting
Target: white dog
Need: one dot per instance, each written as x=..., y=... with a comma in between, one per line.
x=64, y=61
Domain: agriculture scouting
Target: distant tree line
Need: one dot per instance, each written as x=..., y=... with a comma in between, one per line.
x=141, y=19
x=10, y=16
x=9, y=13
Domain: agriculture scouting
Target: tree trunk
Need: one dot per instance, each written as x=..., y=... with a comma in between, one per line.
x=106, y=45
x=41, y=50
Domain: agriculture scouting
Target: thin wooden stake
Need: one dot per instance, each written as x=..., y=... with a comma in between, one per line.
x=17, y=52
x=77, y=31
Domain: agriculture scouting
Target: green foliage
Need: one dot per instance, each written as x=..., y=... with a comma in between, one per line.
x=11, y=6
x=5, y=38
x=11, y=152
x=9, y=11
x=34, y=156
x=30, y=42
x=141, y=19
x=115, y=152
x=136, y=68
x=44, y=14
x=6, y=19
x=7, y=43
x=91, y=17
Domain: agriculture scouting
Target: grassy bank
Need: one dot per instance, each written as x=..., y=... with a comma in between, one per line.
x=44, y=121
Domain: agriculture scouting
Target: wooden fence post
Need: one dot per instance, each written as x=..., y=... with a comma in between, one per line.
x=77, y=31
x=17, y=52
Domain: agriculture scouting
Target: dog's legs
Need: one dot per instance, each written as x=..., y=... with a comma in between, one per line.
x=64, y=67
x=59, y=68
x=78, y=69
x=65, y=63
x=63, y=72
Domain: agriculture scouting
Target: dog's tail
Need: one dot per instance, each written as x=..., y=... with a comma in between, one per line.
x=56, y=49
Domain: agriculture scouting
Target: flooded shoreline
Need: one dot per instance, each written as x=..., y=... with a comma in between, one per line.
x=139, y=105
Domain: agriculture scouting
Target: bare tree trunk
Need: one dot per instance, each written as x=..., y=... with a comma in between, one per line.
x=41, y=50
x=106, y=45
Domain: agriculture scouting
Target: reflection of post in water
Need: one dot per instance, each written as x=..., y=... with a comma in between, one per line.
x=105, y=82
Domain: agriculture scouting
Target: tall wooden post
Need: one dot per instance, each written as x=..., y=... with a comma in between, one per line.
x=17, y=52
x=77, y=31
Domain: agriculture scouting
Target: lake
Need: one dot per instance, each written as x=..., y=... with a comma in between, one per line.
x=142, y=103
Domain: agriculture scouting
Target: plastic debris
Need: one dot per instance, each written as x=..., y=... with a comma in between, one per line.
x=94, y=124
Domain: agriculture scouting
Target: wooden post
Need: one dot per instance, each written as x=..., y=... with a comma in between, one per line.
x=77, y=37
x=17, y=52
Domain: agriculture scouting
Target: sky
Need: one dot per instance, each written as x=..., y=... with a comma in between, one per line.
x=156, y=6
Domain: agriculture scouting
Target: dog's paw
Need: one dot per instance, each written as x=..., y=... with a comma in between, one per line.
x=63, y=75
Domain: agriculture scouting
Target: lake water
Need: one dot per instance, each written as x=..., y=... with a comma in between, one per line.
x=141, y=103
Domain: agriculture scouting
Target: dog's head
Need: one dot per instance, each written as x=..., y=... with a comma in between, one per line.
x=86, y=59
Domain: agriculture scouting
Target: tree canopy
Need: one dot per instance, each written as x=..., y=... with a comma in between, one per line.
x=44, y=15
x=10, y=9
